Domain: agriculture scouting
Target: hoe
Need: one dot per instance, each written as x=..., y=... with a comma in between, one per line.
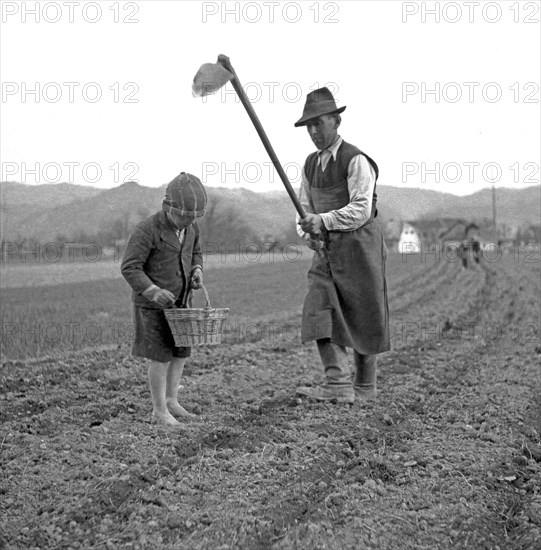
x=209, y=79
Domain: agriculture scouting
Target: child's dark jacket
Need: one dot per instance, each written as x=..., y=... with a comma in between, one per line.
x=154, y=256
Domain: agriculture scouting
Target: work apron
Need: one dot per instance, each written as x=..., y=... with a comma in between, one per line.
x=347, y=289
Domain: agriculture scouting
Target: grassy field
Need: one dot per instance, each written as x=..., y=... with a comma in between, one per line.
x=43, y=273
x=42, y=319
x=448, y=457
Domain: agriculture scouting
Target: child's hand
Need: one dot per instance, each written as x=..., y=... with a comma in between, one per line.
x=163, y=297
x=197, y=278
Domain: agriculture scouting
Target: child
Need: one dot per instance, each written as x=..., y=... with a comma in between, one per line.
x=163, y=258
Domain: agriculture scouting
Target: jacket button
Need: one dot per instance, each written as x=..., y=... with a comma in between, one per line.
x=179, y=273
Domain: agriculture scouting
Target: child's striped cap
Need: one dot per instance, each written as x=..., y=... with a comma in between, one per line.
x=185, y=195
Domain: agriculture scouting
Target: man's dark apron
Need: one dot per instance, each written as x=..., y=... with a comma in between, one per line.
x=347, y=290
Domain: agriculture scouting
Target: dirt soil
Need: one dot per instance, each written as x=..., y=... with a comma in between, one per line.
x=448, y=457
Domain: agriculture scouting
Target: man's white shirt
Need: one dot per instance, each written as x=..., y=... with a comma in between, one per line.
x=361, y=182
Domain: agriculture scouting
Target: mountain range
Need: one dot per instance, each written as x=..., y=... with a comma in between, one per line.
x=45, y=212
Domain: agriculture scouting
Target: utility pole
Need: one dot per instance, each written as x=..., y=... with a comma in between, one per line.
x=494, y=214
x=3, y=213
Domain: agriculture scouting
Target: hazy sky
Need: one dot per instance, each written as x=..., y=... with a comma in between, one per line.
x=97, y=93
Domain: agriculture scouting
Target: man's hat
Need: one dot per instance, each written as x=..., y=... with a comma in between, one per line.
x=319, y=102
x=185, y=195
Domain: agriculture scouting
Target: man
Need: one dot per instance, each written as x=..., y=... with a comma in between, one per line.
x=470, y=249
x=346, y=304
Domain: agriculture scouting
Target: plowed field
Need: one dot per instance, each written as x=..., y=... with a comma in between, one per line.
x=448, y=457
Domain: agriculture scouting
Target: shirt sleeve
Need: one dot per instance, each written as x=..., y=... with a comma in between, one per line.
x=306, y=202
x=150, y=291
x=361, y=183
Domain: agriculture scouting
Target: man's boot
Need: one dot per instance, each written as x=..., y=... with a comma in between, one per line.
x=364, y=382
x=337, y=386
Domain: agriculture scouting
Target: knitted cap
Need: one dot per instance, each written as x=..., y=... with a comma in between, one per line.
x=185, y=195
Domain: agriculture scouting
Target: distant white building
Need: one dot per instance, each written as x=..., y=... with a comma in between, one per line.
x=409, y=241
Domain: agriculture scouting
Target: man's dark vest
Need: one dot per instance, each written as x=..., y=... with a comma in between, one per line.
x=329, y=189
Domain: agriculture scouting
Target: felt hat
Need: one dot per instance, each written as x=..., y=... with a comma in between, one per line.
x=319, y=102
x=185, y=195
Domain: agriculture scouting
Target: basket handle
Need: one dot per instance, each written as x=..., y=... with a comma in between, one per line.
x=189, y=296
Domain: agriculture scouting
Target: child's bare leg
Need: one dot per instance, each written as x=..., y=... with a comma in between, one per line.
x=174, y=374
x=157, y=379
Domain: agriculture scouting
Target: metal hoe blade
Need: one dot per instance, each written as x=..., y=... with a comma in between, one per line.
x=209, y=79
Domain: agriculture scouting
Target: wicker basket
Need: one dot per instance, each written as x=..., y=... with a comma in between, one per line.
x=197, y=326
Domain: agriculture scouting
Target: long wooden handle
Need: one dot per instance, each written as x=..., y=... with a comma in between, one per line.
x=226, y=63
